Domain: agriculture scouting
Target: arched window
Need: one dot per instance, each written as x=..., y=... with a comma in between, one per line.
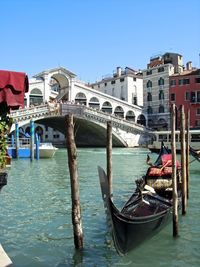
x=36, y=97
x=149, y=96
x=161, y=109
x=149, y=84
x=130, y=116
x=107, y=107
x=161, y=81
x=149, y=110
x=94, y=103
x=141, y=120
x=54, y=85
x=119, y=112
x=161, y=95
x=81, y=99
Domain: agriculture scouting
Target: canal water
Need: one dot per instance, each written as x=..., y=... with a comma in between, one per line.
x=35, y=217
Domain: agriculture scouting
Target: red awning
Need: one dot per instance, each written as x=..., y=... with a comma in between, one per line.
x=13, y=86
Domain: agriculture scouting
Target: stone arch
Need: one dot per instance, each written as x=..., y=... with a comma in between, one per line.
x=35, y=97
x=60, y=84
x=81, y=99
x=119, y=112
x=141, y=120
x=107, y=107
x=130, y=116
x=94, y=103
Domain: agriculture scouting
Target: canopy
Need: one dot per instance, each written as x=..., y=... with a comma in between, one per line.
x=13, y=86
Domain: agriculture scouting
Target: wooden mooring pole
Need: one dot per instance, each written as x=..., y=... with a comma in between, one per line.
x=32, y=140
x=183, y=160
x=17, y=140
x=72, y=163
x=188, y=152
x=174, y=178
x=109, y=155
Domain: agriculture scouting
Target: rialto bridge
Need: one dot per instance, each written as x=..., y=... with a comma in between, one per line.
x=57, y=92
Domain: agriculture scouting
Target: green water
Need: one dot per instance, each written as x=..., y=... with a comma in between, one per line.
x=35, y=217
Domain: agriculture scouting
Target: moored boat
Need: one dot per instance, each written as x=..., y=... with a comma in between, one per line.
x=147, y=211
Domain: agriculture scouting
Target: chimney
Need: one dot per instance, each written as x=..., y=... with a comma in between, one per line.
x=189, y=65
x=119, y=71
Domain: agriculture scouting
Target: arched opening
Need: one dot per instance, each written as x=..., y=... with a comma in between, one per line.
x=107, y=107
x=36, y=97
x=119, y=112
x=54, y=85
x=94, y=103
x=130, y=116
x=81, y=99
x=141, y=120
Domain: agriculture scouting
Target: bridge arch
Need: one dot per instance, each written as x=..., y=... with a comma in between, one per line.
x=119, y=112
x=80, y=98
x=130, y=116
x=141, y=120
x=107, y=107
x=94, y=103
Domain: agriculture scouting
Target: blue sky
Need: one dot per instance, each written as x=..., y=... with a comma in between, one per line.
x=92, y=37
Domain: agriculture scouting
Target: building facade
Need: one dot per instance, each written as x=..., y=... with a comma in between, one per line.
x=156, y=88
x=185, y=90
x=126, y=85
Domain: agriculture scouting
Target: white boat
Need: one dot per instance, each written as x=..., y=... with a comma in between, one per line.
x=47, y=150
x=165, y=136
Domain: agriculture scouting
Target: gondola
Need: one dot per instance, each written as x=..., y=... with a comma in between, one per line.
x=146, y=212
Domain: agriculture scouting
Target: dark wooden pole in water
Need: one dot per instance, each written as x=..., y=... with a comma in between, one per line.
x=174, y=179
x=109, y=155
x=188, y=152
x=183, y=160
x=72, y=163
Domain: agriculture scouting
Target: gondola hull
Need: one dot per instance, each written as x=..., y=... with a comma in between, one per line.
x=137, y=221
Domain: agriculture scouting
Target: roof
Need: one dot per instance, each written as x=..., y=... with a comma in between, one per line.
x=13, y=86
x=193, y=71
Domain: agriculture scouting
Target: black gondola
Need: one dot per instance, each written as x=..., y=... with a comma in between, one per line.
x=143, y=215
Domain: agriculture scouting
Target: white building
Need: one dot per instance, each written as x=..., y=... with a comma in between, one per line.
x=126, y=85
x=156, y=88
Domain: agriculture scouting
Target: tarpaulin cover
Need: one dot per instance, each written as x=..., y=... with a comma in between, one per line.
x=13, y=86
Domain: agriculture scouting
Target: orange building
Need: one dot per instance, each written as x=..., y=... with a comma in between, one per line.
x=185, y=90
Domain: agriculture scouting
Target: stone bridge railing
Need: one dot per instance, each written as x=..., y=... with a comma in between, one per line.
x=81, y=111
x=95, y=115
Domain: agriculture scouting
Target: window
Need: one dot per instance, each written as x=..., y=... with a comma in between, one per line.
x=149, y=84
x=172, y=82
x=149, y=110
x=161, y=95
x=198, y=111
x=113, y=91
x=183, y=81
x=161, y=109
x=161, y=81
x=193, y=97
x=112, y=82
x=134, y=79
x=105, y=84
x=197, y=80
x=161, y=69
x=173, y=97
x=198, y=96
x=149, y=97
x=162, y=137
x=187, y=96
x=122, y=80
x=149, y=72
